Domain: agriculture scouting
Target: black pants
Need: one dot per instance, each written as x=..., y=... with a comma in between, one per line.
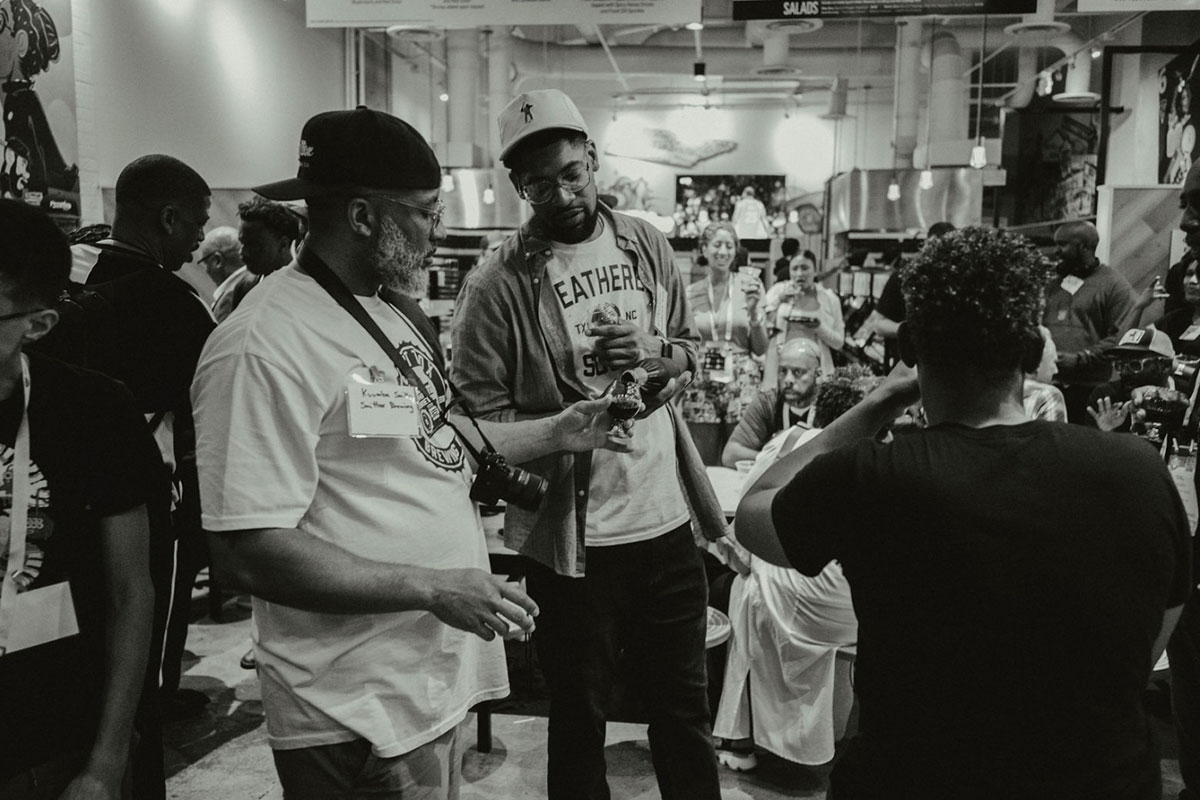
x=648, y=599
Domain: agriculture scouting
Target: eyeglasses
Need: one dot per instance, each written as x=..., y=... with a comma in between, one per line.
x=1132, y=366
x=19, y=314
x=433, y=213
x=574, y=178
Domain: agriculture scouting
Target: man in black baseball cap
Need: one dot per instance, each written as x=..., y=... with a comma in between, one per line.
x=335, y=491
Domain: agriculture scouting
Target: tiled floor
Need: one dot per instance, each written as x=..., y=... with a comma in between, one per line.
x=224, y=753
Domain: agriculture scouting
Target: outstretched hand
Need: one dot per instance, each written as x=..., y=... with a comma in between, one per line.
x=481, y=603
x=1109, y=415
x=587, y=425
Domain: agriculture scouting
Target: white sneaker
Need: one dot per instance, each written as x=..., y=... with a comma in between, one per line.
x=738, y=762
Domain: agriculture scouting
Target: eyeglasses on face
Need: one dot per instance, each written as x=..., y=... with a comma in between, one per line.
x=1135, y=365
x=574, y=178
x=433, y=213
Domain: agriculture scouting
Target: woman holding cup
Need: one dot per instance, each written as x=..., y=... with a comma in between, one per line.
x=803, y=308
x=727, y=311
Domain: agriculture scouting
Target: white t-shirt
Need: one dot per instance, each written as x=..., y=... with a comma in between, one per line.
x=634, y=496
x=274, y=451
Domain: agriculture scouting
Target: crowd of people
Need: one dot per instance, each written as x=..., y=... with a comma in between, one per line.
x=991, y=583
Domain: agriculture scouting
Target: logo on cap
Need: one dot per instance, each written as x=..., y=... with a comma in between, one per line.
x=306, y=150
x=527, y=111
x=1133, y=336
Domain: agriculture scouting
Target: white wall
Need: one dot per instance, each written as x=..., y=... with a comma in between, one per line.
x=224, y=85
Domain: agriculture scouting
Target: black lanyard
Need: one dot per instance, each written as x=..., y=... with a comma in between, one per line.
x=335, y=288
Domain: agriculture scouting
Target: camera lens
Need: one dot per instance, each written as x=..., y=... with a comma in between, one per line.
x=525, y=489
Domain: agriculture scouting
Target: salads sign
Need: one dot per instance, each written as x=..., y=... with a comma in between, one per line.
x=789, y=9
x=476, y=13
x=1134, y=6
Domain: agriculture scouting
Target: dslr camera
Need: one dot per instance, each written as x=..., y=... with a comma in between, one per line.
x=498, y=480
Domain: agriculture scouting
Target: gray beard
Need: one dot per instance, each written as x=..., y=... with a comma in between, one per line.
x=396, y=264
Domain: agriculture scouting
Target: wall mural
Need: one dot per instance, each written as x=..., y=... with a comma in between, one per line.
x=34, y=169
x=1178, y=89
x=661, y=146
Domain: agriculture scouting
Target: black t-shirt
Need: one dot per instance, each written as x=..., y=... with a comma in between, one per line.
x=92, y=456
x=1009, y=584
x=891, y=299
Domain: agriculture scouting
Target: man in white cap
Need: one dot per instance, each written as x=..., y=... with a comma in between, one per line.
x=568, y=301
x=335, y=487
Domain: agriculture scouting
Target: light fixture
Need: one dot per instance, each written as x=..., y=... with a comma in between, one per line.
x=978, y=158
x=444, y=97
x=893, y=192
x=489, y=195
x=978, y=155
x=698, y=71
x=695, y=26
x=447, y=182
x=1096, y=51
x=926, y=181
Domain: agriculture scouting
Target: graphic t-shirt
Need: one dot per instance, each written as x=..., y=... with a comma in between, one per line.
x=634, y=496
x=91, y=456
x=1009, y=583
x=274, y=451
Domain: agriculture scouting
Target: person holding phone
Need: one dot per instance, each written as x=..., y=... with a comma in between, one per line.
x=803, y=308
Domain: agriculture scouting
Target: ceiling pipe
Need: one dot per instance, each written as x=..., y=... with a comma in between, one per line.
x=536, y=59
x=948, y=90
x=1027, y=77
x=499, y=73
x=906, y=97
x=462, y=60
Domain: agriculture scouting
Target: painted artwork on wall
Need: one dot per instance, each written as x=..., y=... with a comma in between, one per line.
x=37, y=84
x=753, y=203
x=1178, y=93
x=1055, y=176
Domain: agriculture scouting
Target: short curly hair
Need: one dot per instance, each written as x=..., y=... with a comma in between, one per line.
x=841, y=392
x=973, y=298
x=275, y=217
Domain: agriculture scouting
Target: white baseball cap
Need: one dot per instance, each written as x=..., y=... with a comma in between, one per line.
x=536, y=111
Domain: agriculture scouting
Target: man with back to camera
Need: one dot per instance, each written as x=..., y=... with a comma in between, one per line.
x=789, y=405
x=1084, y=310
x=267, y=232
x=1183, y=651
x=376, y=614
x=76, y=601
x=1008, y=621
x=612, y=555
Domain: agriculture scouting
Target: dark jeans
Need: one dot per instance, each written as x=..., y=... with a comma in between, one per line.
x=350, y=771
x=646, y=603
x=1183, y=651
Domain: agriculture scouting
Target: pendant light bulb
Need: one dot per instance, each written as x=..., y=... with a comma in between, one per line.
x=926, y=179
x=489, y=195
x=893, y=192
x=978, y=156
x=447, y=182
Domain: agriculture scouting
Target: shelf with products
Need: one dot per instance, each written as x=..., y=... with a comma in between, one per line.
x=457, y=254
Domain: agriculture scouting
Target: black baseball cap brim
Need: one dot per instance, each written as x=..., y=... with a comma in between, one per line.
x=359, y=149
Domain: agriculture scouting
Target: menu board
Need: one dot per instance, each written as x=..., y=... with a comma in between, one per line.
x=784, y=9
x=476, y=13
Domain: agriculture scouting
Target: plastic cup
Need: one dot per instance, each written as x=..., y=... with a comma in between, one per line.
x=744, y=466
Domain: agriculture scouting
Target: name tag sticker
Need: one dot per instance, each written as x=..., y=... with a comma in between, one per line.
x=1191, y=333
x=1071, y=284
x=40, y=616
x=378, y=406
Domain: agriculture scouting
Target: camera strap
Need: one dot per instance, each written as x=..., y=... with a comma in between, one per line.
x=341, y=294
